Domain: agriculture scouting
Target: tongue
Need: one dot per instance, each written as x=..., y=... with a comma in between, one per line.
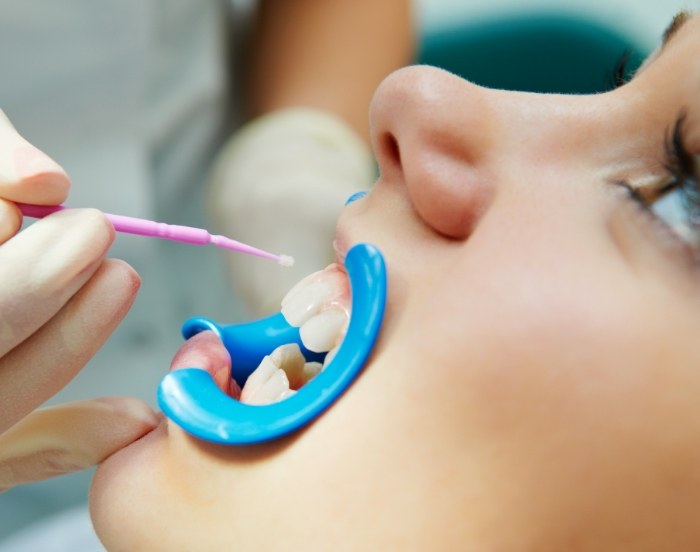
x=206, y=351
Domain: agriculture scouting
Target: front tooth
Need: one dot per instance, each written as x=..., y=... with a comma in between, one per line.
x=273, y=390
x=306, y=302
x=258, y=378
x=298, y=287
x=260, y=375
x=323, y=331
x=316, y=293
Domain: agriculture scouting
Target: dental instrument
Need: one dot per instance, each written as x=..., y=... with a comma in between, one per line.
x=183, y=234
x=191, y=398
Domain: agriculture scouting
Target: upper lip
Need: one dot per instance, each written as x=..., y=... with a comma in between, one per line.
x=339, y=252
x=341, y=245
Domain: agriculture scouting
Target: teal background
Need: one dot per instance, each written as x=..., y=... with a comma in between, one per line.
x=537, y=53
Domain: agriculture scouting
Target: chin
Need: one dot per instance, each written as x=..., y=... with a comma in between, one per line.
x=122, y=490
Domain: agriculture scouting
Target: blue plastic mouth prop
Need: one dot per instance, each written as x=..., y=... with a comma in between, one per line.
x=191, y=398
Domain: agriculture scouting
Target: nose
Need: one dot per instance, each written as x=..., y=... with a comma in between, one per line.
x=434, y=132
x=456, y=146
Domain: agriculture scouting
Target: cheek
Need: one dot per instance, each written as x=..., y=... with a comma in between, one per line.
x=571, y=398
x=546, y=357
x=515, y=352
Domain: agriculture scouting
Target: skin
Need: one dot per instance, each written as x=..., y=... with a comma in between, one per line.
x=326, y=55
x=60, y=299
x=535, y=385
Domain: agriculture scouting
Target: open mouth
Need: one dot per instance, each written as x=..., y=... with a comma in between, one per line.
x=319, y=306
x=290, y=367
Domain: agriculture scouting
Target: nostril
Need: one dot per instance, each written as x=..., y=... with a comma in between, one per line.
x=390, y=149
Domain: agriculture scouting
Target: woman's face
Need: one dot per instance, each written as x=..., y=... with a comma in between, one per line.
x=539, y=363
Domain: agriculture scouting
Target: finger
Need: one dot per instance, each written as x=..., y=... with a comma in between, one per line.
x=10, y=220
x=70, y=437
x=46, y=362
x=27, y=174
x=43, y=266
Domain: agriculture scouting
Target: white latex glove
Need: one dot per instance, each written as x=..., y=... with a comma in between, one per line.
x=280, y=184
x=59, y=301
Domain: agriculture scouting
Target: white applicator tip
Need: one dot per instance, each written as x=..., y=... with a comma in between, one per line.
x=286, y=260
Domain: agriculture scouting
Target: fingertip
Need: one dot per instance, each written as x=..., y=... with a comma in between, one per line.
x=96, y=225
x=42, y=180
x=69, y=437
x=121, y=282
x=88, y=230
x=134, y=411
x=29, y=175
x=128, y=273
x=53, y=258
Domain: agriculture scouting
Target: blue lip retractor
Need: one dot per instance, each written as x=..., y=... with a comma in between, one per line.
x=191, y=398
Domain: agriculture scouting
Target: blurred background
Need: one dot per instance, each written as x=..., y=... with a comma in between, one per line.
x=567, y=46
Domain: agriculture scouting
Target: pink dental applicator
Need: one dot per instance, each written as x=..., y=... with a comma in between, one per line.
x=183, y=234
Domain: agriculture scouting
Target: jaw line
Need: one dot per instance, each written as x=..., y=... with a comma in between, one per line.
x=191, y=398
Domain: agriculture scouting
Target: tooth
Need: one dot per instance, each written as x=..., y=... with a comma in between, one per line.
x=306, y=302
x=289, y=358
x=288, y=393
x=319, y=306
x=316, y=293
x=260, y=375
x=273, y=389
x=278, y=374
x=257, y=379
x=330, y=356
x=298, y=286
x=323, y=331
x=311, y=369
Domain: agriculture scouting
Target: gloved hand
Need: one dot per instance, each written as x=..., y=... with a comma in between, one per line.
x=59, y=301
x=280, y=184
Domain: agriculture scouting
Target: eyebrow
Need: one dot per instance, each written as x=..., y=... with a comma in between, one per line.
x=680, y=19
x=674, y=26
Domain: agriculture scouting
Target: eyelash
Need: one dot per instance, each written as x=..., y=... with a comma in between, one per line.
x=625, y=67
x=620, y=74
x=682, y=166
x=684, y=179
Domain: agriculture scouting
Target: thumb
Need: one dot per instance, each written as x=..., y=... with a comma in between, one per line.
x=62, y=439
x=27, y=174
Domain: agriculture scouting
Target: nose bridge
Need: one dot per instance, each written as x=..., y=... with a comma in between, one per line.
x=544, y=127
